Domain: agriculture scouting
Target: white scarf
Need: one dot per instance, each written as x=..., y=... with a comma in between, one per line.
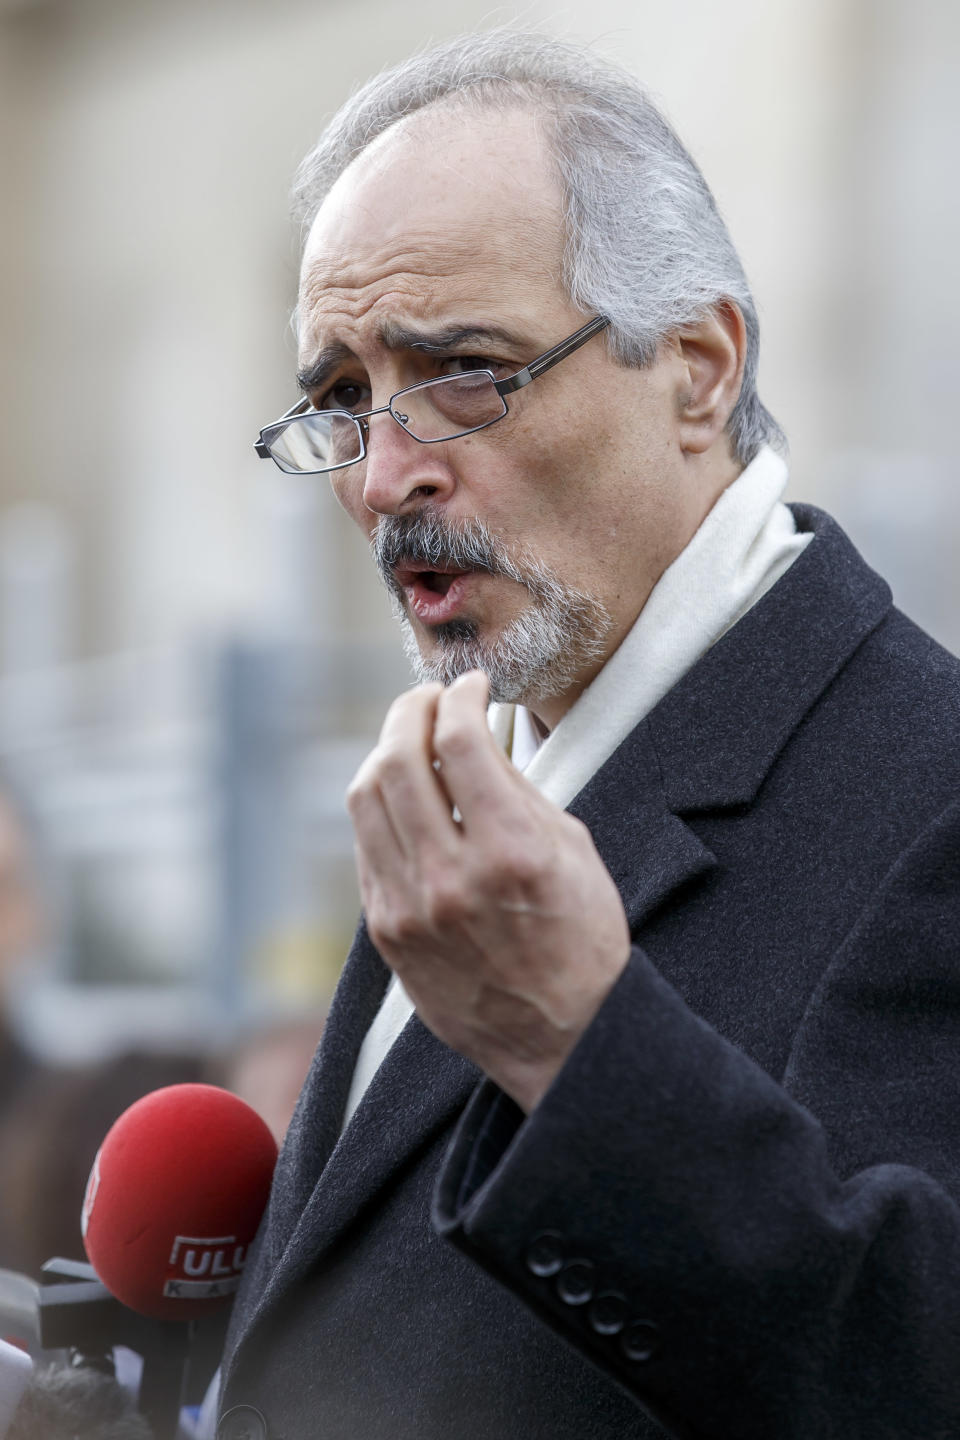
x=744, y=545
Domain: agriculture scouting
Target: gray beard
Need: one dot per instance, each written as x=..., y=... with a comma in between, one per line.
x=535, y=657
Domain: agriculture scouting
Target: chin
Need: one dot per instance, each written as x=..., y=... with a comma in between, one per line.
x=542, y=652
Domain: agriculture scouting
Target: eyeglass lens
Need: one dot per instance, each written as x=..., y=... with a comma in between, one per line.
x=314, y=442
x=438, y=410
x=449, y=406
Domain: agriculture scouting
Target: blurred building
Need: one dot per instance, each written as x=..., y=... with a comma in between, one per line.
x=194, y=654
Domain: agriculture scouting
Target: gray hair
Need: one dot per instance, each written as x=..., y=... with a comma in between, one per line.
x=646, y=244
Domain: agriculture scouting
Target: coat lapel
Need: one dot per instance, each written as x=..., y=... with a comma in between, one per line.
x=326, y=1176
x=420, y=1087
x=316, y=1125
x=649, y=852
x=719, y=731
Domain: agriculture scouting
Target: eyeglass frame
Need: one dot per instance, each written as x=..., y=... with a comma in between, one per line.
x=530, y=372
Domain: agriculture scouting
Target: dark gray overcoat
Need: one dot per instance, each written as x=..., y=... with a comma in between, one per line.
x=735, y=1213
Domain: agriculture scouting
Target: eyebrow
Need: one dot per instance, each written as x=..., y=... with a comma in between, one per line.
x=329, y=360
x=400, y=337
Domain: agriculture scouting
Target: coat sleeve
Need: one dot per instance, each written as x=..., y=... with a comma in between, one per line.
x=751, y=1259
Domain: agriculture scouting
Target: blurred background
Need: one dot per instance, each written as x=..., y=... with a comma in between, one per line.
x=194, y=652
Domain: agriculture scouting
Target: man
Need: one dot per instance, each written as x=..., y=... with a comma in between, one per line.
x=670, y=1146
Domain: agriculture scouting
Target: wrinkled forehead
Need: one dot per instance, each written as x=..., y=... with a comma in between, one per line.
x=442, y=196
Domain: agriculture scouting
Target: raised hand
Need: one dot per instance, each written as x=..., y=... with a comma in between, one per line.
x=490, y=903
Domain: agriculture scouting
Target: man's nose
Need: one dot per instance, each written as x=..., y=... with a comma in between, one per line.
x=399, y=472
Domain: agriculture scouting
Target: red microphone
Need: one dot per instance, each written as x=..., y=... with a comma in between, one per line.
x=174, y=1199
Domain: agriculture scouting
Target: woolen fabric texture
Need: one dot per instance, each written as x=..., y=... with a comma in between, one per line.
x=734, y=1216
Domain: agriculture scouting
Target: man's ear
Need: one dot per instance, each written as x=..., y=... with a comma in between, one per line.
x=712, y=352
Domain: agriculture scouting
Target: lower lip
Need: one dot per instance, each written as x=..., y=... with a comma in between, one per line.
x=432, y=608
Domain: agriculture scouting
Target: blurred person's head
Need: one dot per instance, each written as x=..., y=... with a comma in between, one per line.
x=268, y=1067
x=21, y=918
x=63, y=1403
x=48, y=1140
x=468, y=211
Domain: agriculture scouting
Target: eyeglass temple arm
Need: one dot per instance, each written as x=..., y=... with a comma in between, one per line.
x=551, y=357
x=297, y=409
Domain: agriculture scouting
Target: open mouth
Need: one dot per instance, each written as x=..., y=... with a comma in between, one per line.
x=433, y=595
x=437, y=581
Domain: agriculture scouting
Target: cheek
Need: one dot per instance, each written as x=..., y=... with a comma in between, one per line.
x=540, y=477
x=570, y=491
x=347, y=487
x=510, y=486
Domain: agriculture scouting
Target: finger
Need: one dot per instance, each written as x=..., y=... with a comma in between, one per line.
x=476, y=774
x=418, y=807
x=378, y=846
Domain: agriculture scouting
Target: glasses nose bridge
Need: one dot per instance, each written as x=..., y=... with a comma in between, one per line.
x=364, y=418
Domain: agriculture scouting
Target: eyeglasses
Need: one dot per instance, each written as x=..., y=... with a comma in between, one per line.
x=309, y=442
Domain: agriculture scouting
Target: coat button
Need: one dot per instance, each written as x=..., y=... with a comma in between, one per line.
x=243, y=1422
x=640, y=1340
x=575, y=1282
x=545, y=1255
x=609, y=1313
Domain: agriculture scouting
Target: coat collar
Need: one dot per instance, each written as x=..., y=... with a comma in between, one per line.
x=719, y=730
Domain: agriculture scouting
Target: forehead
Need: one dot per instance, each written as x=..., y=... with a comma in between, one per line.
x=450, y=209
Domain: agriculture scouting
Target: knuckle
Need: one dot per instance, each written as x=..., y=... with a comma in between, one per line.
x=406, y=928
x=399, y=707
x=393, y=927
x=512, y=866
x=391, y=764
x=385, y=764
x=376, y=920
x=359, y=791
x=524, y=866
x=454, y=739
x=410, y=702
x=448, y=904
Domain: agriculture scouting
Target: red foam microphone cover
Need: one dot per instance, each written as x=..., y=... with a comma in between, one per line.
x=174, y=1199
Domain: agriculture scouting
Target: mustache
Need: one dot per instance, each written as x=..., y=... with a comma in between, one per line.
x=428, y=540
